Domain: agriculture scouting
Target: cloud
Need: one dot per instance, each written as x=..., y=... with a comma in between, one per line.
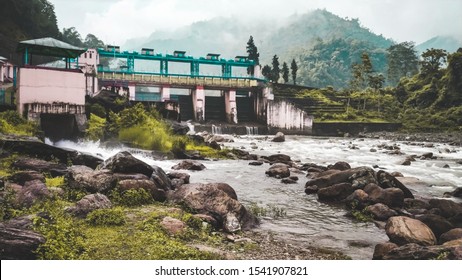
x=118, y=20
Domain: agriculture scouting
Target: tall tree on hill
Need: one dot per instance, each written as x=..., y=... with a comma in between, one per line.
x=253, y=54
x=275, y=70
x=402, y=62
x=91, y=41
x=294, y=69
x=266, y=72
x=72, y=36
x=432, y=60
x=285, y=73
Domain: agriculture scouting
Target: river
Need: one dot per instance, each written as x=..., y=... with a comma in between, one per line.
x=306, y=221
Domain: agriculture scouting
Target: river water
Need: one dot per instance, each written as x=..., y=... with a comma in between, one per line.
x=306, y=221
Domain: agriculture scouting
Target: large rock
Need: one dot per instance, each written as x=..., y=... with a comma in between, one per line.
x=39, y=165
x=279, y=137
x=278, y=158
x=381, y=212
x=359, y=199
x=84, y=178
x=358, y=177
x=32, y=192
x=436, y=223
x=160, y=178
x=403, y=230
x=455, y=193
x=447, y=207
x=17, y=243
x=88, y=204
x=124, y=162
x=418, y=252
x=157, y=194
x=335, y=192
x=341, y=165
x=22, y=177
x=173, y=226
x=392, y=197
x=383, y=249
x=226, y=188
x=386, y=180
x=453, y=234
x=278, y=170
x=189, y=165
x=208, y=199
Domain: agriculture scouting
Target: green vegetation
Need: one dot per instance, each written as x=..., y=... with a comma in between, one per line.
x=131, y=198
x=12, y=123
x=269, y=210
x=107, y=217
x=54, y=182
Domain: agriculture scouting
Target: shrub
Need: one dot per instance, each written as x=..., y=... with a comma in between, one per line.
x=96, y=127
x=12, y=123
x=133, y=197
x=54, y=182
x=106, y=217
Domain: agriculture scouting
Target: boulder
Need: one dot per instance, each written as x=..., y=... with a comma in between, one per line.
x=415, y=203
x=335, y=192
x=288, y=180
x=278, y=170
x=455, y=193
x=359, y=199
x=32, y=192
x=418, y=252
x=173, y=226
x=160, y=178
x=209, y=200
x=381, y=212
x=157, y=194
x=179, y=175
x=403, y=230
x=125, y=163
x=224, y=187
x=436, y=223
x=22, y=177
x=358, y=177
x=453, y=234
x=17, y=243
x=392, y=197
x=427, y=155
x=256, y=163
x=447, y=207
x=386, y=180
x=279, y=137
x=311, y=189
x=208, y=219
x=189, y=165
x=383, y=249
x=278, y=158
x=84, y=178
x=39, y=165
x=88, y=204
x=341, y=165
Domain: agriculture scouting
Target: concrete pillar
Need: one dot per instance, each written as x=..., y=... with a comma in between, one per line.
x=198, y=100
x=230, y=106
x=165, y=91
x=131, y=92
x=1, y=73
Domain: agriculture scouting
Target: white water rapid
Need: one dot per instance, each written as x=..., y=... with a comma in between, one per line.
x=307, y=221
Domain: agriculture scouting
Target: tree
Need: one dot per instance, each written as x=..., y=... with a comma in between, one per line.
x=91, y=41
x=294, y=69
x=266, y=72
x=432, y=59
x=402, y=62
x=275, y=70
x=285, y=73
x=253, y=54
x=72, y=36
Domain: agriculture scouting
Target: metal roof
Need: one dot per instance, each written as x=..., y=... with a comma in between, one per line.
x=49, y=47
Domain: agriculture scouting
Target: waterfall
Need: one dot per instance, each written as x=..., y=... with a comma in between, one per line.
x=251, y=130
x=216, y=129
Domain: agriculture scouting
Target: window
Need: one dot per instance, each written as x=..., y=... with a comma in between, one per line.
x=90, y=55
x=85, y=55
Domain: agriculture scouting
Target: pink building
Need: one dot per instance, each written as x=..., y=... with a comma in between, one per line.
x=6, y=71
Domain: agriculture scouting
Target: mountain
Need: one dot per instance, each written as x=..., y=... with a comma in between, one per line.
x=447, y=43
x=309, y=38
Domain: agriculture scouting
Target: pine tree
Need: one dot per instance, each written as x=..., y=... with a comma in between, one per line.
x=294, y=69
x=402, y=62
x=266, y=72
x=285, y=73
x=253, y=54
x=275, y=70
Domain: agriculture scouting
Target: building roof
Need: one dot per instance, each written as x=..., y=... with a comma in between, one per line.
x=49, y=47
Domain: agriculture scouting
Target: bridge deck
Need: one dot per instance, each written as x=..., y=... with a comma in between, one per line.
x=179, y=80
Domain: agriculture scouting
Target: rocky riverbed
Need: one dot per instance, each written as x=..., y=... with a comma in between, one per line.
x=302, y=202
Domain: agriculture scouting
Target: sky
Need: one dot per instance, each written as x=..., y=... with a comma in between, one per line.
x=115, y=21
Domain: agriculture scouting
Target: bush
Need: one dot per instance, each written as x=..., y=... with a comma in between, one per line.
x=12, y=123
x=106, y=217
x=96, y=127
x=133, y=197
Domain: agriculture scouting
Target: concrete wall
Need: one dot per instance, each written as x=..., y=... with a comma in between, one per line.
x=230, y=106
x=41, y=85
x=284, y=115
x=339, y=129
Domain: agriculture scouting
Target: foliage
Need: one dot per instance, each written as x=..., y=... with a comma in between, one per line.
x=133, y=197
x=266, y=72
x=275, y=70
x=106, y=217
x=72, y=36
x=54, y=182
x=91, y=41
x=95, y=130
x=63, y=239
x=294, y=69
x=285, y=72
x=12, y=123
x=270, y=210
x=402, y=61
x=432, y=60
x=252, y=52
